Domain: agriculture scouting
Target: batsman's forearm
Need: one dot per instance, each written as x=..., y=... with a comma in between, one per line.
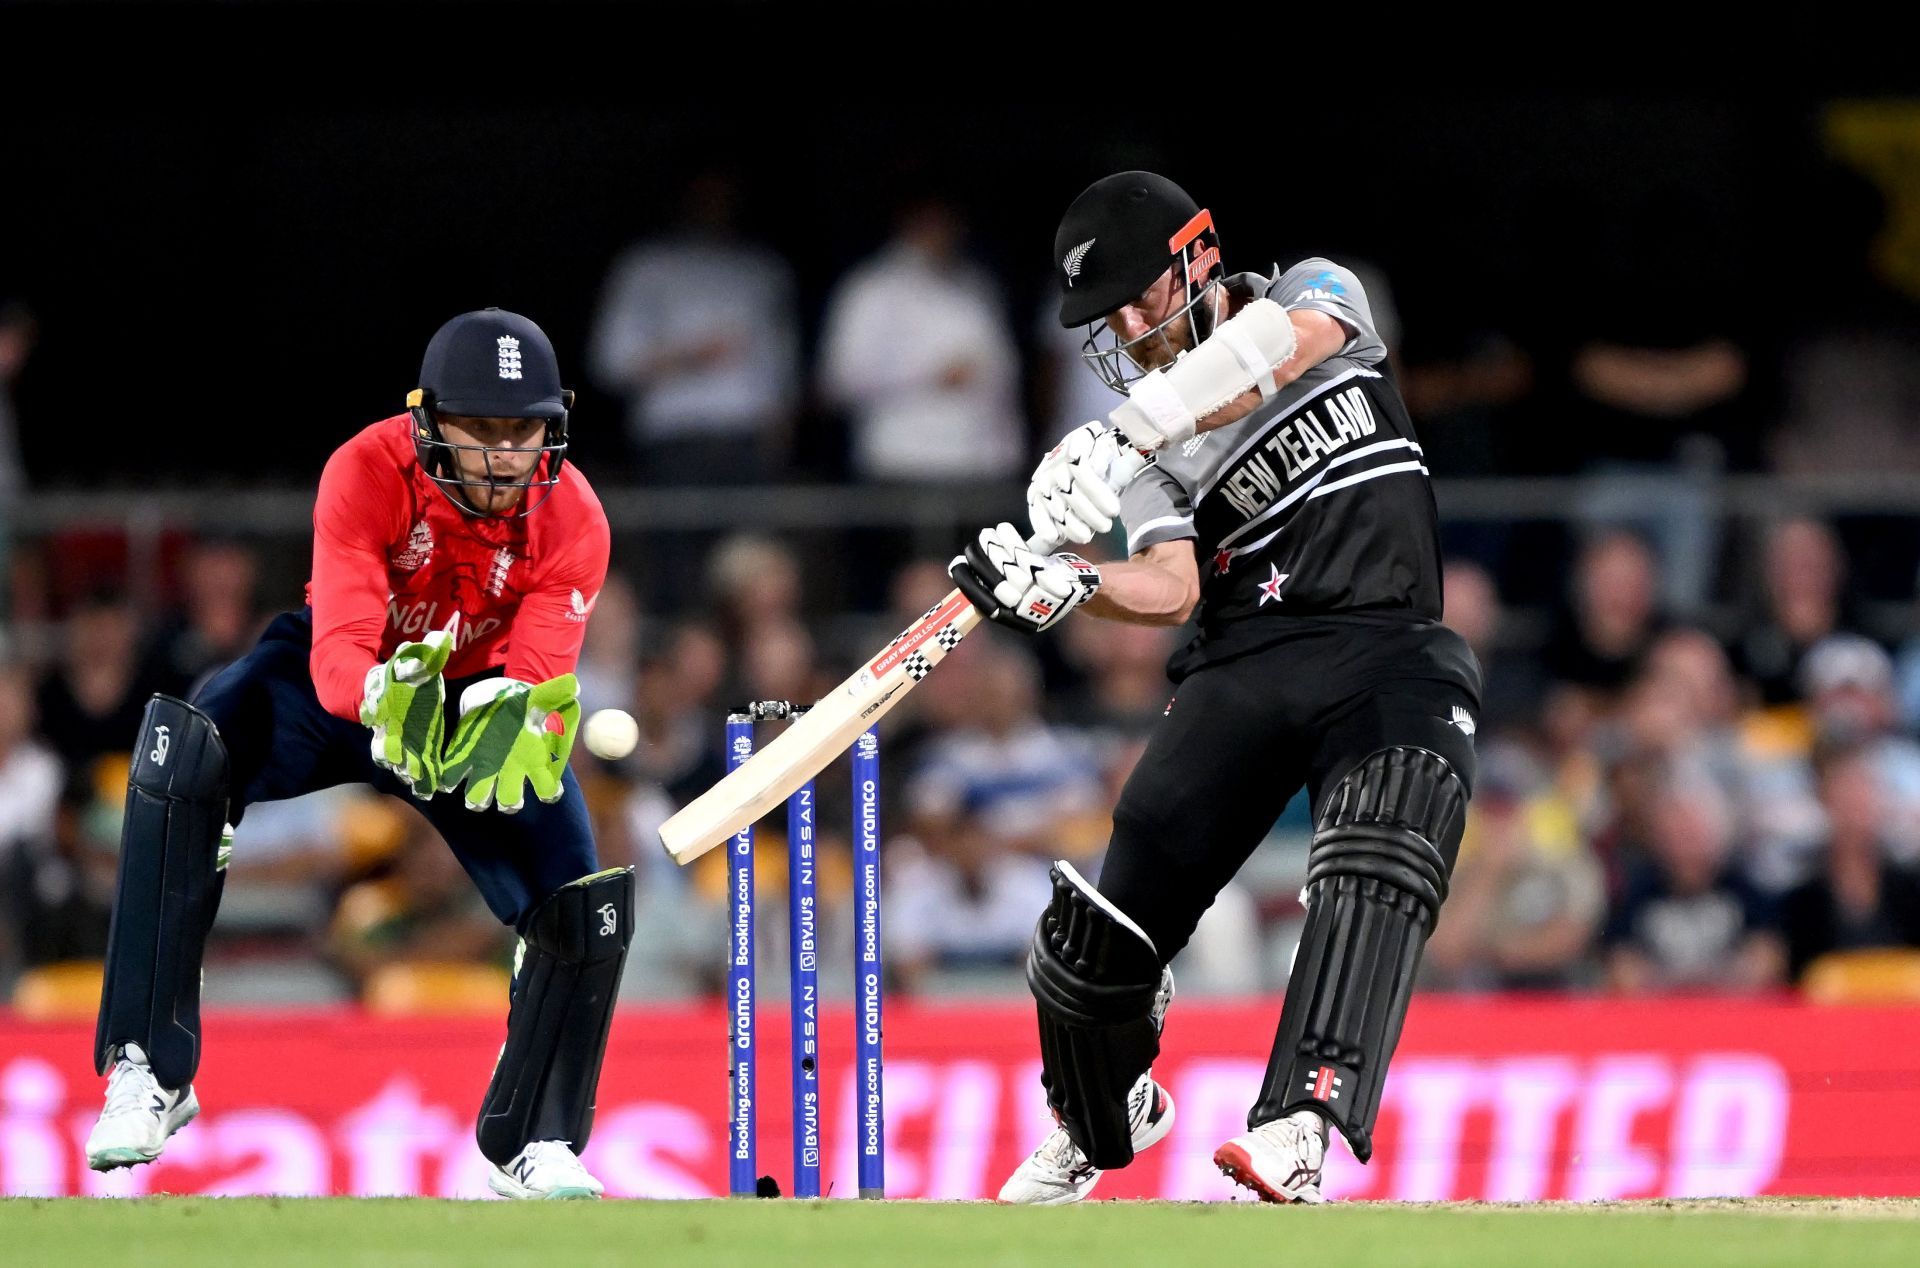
x=1142, y=592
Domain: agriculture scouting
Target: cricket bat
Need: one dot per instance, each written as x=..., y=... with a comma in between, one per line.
x=820, y=734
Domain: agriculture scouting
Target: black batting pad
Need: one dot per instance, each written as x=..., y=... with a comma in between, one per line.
x=1376, y=877
x=1095, y=976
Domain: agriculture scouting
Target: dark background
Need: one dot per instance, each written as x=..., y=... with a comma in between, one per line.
x=228, y=285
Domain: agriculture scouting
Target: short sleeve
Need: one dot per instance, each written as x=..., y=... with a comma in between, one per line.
x=1329, y=288
x=1155, y=508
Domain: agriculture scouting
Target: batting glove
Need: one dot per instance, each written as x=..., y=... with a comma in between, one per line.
x=1016, y=586
x=1075, y=491
x=519, y=735
x=404, y=701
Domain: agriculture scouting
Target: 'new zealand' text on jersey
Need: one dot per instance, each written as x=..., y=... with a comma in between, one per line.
x=394, y=559
x=1315, y=505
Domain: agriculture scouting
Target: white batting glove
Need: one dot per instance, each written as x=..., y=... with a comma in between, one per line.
x=1018, y=587
x=1075, y=491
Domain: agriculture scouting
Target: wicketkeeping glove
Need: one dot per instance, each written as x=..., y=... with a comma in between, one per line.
x=404, y=701
x=506, y=743
x=1017, y=587
x=1075, y=491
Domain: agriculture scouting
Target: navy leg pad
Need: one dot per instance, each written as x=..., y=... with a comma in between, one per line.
x=563, y=995
x=168, y=891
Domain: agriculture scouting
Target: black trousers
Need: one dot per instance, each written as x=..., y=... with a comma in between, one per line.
x=1244, y=735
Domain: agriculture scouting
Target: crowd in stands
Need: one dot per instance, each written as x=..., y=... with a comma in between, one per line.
x=1698, y=764
x=1659, y=806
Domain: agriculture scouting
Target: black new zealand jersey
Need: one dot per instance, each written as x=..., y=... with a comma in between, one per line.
x=1314, y=510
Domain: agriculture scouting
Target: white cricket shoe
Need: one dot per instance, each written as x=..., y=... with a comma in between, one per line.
x=140, y=1114
x=545, y=1169
x=1058, y=1173
x=1280, y=1160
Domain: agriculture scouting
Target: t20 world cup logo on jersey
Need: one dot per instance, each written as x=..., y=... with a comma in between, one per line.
x=418, y=550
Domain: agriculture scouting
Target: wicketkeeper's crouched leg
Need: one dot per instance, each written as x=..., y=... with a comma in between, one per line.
x=169, y=885
x=565, y=982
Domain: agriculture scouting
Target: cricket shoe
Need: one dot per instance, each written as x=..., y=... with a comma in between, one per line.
x=1280, y=1160
x=1058, y=1173
x=140, y=1114
x=545, y=1169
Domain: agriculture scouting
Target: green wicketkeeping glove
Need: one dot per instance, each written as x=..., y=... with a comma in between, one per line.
x=405, y=703
x=503, y=745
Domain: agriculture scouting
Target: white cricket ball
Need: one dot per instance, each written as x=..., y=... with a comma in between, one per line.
x=610, y=734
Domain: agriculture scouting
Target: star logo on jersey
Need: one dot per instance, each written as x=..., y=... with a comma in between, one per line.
x=1072, y=261
x=1222, y=560
x=1270, y=588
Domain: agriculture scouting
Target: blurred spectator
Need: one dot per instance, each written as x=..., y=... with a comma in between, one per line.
x=1861, y=897
x=421, y=906
x=1614, y=617
x=1066, y=391
x=1528, y=896
x=1687, y=919
x=30, y=788
x=612, y=648
x=917, y=348
x=16, y=342
x=1685, y=710
x=56, y=890
x=1848, y=682
x=698, y=331
x=778, y=663
x=1658, y=391
x=1125, y=688
x=680, y=747
x=991, y=802
x=218, y=621
x=753, y=582
x=1803, y=582
x=1464, y=392
x=30, y=776
x=1511, y=685
x=91, y=703
x=17, y=333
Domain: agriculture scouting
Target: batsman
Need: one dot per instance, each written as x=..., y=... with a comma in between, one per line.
x=1286, y=500
x=456, y=557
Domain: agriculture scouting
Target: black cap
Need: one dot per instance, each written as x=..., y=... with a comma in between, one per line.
x=493, y=364
x=1115, y=240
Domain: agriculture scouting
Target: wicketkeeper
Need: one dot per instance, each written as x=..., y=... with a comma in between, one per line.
x=1288, y=500
x=456, y=557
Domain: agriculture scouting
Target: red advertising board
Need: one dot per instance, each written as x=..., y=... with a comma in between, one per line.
x=1498, y=1098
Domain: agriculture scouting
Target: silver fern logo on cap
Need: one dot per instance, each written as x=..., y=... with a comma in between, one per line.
x=1071, y=262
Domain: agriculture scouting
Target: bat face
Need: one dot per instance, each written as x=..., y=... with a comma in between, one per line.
x=819, y=735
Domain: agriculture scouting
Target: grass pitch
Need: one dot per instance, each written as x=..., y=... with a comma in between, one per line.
x=155, y=1232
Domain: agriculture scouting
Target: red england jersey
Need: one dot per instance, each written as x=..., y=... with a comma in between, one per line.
x=394, y=558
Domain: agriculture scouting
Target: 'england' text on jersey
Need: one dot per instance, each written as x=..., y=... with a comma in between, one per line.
x=1298, y=446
